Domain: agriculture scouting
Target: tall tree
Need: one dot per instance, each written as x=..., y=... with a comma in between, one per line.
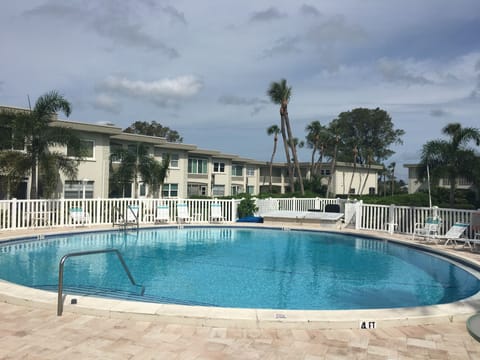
x=317, y=139
x=280, y=94
x=272, y=130
x=391, y=169
x=371, y=132
x=135, y=164
x=40, y=137
x=452, y=158
x=154, y=129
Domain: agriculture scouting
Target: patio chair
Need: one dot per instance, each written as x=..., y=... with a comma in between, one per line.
x=216, y=213
x=453, y=234
x=163, y=214
x=132, y=214
x=427, y=230
x=78, y=216
x=183, y=214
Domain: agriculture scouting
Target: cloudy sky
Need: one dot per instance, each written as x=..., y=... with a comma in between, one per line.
x=203, y=67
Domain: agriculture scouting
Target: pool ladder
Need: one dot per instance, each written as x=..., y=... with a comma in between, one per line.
x=61, y=266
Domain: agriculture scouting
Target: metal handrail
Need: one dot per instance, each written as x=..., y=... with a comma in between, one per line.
x=61, y=266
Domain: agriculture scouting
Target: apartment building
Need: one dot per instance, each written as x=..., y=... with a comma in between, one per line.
x=192, y=171
x=415, y=183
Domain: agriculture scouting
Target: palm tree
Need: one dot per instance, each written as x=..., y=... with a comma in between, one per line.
x=153, y=173
x=391, y=168
x=451, y=158
x=40, y=137
x=280, y=94
x=14, y=167
x=135, y=165
x=272, y=130
x=317, y=138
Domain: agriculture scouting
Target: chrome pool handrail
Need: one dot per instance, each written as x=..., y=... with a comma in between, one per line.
x=61, y=266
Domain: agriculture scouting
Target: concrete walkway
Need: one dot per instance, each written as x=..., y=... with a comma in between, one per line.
x=31, y=333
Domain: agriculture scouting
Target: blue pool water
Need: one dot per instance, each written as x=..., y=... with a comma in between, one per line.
x=242, y=267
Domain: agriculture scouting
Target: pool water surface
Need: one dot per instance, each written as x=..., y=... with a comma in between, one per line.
x=242, y=268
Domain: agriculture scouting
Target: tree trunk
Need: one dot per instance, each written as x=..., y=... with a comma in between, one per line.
x=355, y=152
x=287, y=151
x=333, y=166
x=294, y=151
x=452, y=191
x=275, y=140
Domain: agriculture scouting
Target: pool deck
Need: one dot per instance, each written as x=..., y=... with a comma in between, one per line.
x=108, y=329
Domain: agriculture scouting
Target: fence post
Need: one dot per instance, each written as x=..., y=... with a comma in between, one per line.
x=358, y=215
x=234, y=209
x=13, y=218
x=391, y=219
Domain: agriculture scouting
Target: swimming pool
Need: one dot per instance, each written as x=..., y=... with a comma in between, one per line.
x=242, y=268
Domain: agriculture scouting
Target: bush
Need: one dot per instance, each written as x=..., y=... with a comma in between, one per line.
x=246, y=207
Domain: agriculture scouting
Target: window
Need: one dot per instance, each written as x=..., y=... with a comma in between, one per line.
x=250, y=171
x=173, y=160
x=196, y=190
x=371, y=191
x=352, y=191
x=170, y=190
x=87, y=150
x=237, y=170
x=250, y=189
x=115, y=149
x=237, y=189
x=142, y=189
x=74, y=189
x=219, y=167
x=325, y=172
x=197, y=166
x=218, y=190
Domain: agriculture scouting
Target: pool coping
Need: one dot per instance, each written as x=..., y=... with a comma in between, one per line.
x=253, y=318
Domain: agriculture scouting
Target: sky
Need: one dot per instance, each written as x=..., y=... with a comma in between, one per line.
x=203, y=67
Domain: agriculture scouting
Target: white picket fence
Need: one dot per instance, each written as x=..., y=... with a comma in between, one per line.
x=28, y=214
x=25, y=214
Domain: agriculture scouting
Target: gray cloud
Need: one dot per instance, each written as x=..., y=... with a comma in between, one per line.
x=309, y=10
x=257, y=103
x=107, y=103
x=267, y=15
x=438, y=113
x=166, y=92
x=334, y=30
x=113, y=20
x=237, y=100
x=175, y=14
x=395, y=71
x=285, y=45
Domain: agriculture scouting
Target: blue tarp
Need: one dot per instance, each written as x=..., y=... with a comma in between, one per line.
x=251, y=219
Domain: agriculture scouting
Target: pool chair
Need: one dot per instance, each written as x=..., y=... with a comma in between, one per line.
x=78, y=216
x=126, y=219
x=453, y=234
x=163, y=214
x=183, y=214
x=427, y=230
x=132, y=215
x=216, y=213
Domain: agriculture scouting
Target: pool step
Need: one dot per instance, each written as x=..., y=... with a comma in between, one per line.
x=119, y=294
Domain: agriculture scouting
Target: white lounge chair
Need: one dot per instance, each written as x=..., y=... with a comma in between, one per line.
x=453, y=234
x=163, y=214
x=183, y=214
x=78, y=216
x=132, y=214
x=427, y=230
x=216, y=213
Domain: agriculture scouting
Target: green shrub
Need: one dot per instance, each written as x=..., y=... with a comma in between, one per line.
x=246, y=207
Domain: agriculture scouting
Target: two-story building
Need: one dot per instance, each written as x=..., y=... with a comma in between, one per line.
x=192, y=171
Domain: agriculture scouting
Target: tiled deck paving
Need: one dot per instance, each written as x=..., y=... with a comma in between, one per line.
x=32, y=333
